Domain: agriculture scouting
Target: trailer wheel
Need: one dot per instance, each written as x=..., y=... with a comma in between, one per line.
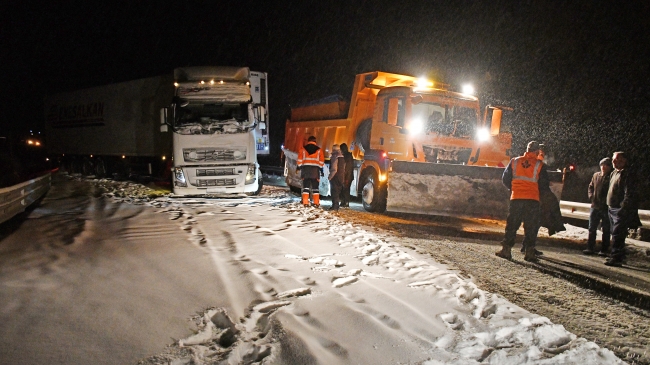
x=100, y=168
x=373, y=196
x=87, y=167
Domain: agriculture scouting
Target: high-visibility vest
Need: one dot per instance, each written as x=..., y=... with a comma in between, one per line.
x=315, y=159
x=525, y=175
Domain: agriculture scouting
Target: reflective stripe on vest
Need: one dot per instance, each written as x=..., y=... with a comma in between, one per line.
x=316, y=159
x=535, y=177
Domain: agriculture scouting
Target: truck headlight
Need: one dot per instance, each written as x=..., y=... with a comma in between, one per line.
x=250, y=174
x=483, y=134
x=179, y=177
x=416, y=127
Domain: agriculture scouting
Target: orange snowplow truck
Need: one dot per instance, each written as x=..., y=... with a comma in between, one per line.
x=417, y=147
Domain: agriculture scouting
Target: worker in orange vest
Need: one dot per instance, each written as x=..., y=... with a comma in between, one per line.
x=310, y=164
x=525, y=176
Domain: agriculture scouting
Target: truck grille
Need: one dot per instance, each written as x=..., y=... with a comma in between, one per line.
x=212, y=154
x=214, y=172
x=215, y=182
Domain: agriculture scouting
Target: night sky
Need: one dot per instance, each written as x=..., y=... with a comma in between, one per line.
x=577, y=73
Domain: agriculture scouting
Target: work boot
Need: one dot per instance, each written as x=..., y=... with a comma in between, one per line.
x=591, y=244
x=537, y=252
x=604, y=248
x=504, y=253
x=531, y=255
x=614, y=261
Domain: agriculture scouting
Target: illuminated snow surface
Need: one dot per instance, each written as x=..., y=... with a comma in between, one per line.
x=255, y=280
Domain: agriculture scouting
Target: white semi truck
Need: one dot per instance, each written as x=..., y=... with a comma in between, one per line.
x=201, y=127
x=218, y=118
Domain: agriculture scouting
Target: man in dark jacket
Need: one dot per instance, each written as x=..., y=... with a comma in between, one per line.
x=310, y=164
x=348, y=176
x=336, y=177
x=525, y=176
x=598, y=215
x=622, y=207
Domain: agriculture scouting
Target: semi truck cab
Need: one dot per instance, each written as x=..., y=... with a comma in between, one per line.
x=218, y=118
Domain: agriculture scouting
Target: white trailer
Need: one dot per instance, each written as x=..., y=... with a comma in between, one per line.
x=111, y=129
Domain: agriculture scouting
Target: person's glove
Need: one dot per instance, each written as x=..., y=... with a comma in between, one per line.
x=322, y=173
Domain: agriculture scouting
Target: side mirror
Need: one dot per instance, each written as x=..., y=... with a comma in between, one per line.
x=417, y=99
x=164, y=119
x=495, y=126
x=262, y=112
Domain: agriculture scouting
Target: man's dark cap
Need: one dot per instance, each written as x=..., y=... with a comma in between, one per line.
x=606, y=161
x=532, y=146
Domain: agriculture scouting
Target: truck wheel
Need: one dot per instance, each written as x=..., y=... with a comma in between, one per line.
x=259, y=186
x=373, y=196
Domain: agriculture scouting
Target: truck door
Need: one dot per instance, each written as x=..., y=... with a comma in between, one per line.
x=389, y=131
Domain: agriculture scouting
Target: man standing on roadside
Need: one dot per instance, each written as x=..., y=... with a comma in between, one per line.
x=622, y=207
x=348, y=176
x=310, y=164
x=598, y=215
x=525, y=176
x=337, y=171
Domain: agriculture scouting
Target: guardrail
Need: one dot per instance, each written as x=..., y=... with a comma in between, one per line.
x=581, y=211
x=15, y=199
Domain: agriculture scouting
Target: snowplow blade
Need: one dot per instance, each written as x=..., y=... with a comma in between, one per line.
x=452, y=190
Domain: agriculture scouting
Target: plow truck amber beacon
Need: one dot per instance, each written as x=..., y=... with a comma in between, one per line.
x=418, y=147
x=218, y=118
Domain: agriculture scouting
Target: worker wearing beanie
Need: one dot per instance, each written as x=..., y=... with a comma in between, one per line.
x=598, y=214
x=525, y=176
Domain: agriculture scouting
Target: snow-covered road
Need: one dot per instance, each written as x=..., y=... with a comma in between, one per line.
x=91, y=279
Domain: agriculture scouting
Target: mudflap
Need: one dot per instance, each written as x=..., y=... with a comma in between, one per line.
x=451, y=190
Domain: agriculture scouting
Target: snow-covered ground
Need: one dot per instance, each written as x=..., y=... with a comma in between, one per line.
x=242, y=281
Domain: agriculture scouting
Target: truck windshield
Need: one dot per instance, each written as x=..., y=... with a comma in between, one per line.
x=446, y=120
x=202, y=118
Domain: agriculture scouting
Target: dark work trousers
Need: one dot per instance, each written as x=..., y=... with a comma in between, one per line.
x=345, y=195
x=528, y=212
x=598, y=216
x=619, y=222
x=310, y=186
x=337, y=187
